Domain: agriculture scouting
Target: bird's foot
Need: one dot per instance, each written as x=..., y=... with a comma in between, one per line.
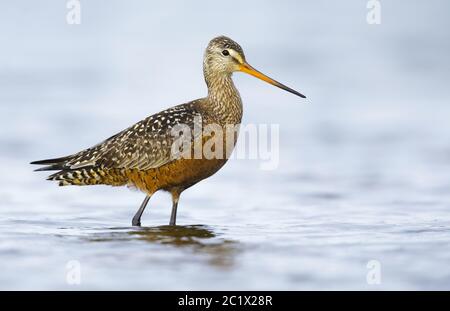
x=136, y=222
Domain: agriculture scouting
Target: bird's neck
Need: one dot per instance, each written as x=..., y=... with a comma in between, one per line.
x=224, y=99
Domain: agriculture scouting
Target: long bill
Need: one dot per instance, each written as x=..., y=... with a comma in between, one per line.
x=252, y=71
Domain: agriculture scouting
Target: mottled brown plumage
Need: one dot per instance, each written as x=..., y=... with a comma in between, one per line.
x=142, y=156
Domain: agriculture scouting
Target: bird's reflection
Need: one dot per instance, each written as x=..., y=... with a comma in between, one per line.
x=196, y=239
x=175, y=235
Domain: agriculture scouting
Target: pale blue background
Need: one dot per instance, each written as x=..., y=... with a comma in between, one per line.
x=365, y=160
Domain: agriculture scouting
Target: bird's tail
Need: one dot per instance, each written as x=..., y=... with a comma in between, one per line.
x=52, y=164
x=89, y=175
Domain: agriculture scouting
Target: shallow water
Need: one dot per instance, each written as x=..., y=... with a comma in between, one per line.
x=364, y=168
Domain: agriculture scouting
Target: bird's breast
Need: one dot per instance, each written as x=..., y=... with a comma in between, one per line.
x=182, y=173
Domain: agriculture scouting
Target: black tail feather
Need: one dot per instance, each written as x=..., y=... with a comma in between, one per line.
x=55, y=167
x=51, y=164
x=51, y=161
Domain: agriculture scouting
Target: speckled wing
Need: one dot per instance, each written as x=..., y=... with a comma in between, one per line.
x=143, y=146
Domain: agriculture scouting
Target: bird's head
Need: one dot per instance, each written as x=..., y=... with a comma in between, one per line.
x=224, y=56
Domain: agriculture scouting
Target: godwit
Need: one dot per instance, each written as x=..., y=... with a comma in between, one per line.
x=142, y=155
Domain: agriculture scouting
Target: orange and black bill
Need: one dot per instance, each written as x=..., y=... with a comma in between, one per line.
x=252, y=71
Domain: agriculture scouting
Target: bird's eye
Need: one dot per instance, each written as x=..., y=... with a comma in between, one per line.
x=225, y=53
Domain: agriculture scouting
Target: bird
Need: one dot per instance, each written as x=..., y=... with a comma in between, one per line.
x=143, y=157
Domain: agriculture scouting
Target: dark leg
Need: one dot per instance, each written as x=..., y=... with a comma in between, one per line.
x=137, y=218
x=175, y=198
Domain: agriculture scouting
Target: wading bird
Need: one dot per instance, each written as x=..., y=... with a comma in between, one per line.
x=141, y=156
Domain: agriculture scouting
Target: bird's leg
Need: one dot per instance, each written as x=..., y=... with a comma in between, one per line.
x=175, y=198
x=137, y=218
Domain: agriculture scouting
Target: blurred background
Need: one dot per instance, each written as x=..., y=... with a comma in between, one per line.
x=364, y=173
